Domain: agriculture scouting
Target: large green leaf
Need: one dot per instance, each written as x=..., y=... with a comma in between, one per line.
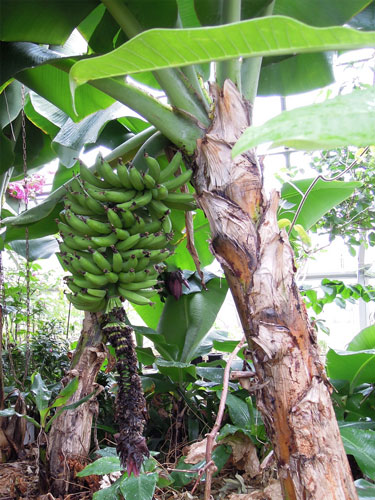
x=326, y=125
x=10, y=103
x=361, y=444
x=104, y=465
x=364, y=340
x=270, y=36
x=41, y=393
x=358, y=367
x=323, y=13
x=365, y=489
x=141, y=487
x=310, y=71
x=52, y=83
x=41, y=248
x=176, y=370
x=186, y=322
x=39, y=229
x=238, y=411
x=42, y=21
x=73, y=136
x=322, y=197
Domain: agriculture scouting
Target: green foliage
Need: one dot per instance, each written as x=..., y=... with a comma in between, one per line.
x=352, y=374
x=199, y=45
x=319, y=126
x=335, y=291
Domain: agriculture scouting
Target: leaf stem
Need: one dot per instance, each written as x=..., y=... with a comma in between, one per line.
x=169, y=79
x=231, y=13
x=179, y=130
x=251, y=68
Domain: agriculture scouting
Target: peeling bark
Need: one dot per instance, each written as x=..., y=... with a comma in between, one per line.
x=70, y=435
x=293, y=394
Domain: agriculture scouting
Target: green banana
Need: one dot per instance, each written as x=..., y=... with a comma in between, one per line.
x=123, y=175
x=98, y=226
x=145, y=240
x=141, y=200
x=112, y=277
x=166, y=224
x=95, y=292
x=128, y=217
x=139, y=285
x=171, y=168
x=180, y=198
x=122, y=234
x=152, y=227
x=76, y=197
x=159, y=208
x=83, y=304
x=105, y=170
x=87, y=265
x=88, y=176
x=128, y=243
x=159, y=255
x=146, y=274
x=142, y=263
x=78, y=224
x=179, y=181
x=104, y=241
x=153, y=167
x=110, y=196
x=185, y=206
x=81, y=281
x=158, y=242
x=138, y=226
x=101, y=261
x=97, y=280
x=82, y=242
x=70, y=242
x=77, y=208
x=136, y=179
x=134, y=297
x=113, y=218
x=117, y=261
x=135, y=253
x=130, y=263
x=95, y=206
x=160, y=192
x=127, y=277
x=148, y=181
x=73, y=287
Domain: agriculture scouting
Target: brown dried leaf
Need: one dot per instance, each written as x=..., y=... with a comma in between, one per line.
x=244, y=454
x=197, y=452
x=271, y=492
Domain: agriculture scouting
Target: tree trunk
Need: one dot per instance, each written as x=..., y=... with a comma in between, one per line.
x=70, y=435
x=293, y=393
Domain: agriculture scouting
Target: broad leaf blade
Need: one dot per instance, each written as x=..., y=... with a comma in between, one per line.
x=361, y=444
x=141, y=487
x=104, y=465
x=357, y=367
x=364, y=340
x=326, y=125
x=322, y=197
x=41, y=392
x=186, y=321
x=269, y=36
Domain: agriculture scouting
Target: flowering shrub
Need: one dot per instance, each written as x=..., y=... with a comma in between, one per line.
x=26, y=189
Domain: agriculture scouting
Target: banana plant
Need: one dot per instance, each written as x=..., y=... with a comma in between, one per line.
x=256, y=47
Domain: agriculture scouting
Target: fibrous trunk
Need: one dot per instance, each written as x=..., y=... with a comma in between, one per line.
x=70, y=435
x=293, y=392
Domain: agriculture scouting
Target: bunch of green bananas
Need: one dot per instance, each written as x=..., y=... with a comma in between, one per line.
x=115, y=229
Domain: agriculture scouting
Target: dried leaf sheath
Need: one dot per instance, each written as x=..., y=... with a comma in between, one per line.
x=130, y=402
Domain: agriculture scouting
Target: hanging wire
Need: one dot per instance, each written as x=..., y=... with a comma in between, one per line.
x=27, y=247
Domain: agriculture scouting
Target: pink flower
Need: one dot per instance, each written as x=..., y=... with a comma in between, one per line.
x=23, y=190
